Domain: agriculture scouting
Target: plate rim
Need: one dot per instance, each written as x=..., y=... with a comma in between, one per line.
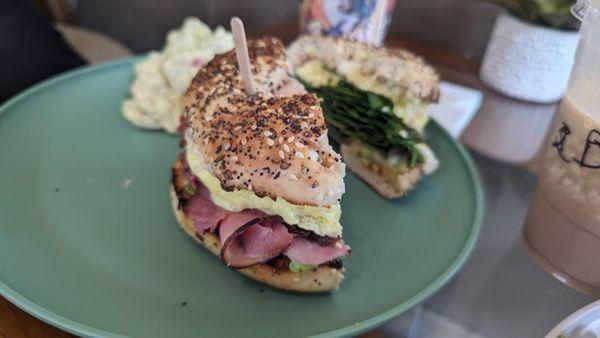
x=572, y=319
x=78, y=328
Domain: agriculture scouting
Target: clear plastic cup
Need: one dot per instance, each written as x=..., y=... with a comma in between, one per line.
x=562, y=229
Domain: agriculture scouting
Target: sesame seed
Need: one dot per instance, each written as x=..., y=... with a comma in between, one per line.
x=270, y=142
x=267, y=133
x=237, y=128
x=226, y=146
x=304, y=125
x=244, y=141
x=293, y=177
x=253, y=126
x=290, y=139
x=299, y=145
x=311, y=115
x=234, y=158
x=299, y=154
x=286, y=148
x=314, y=107
x=281, y=154
x=280, y=140
x=296, y=279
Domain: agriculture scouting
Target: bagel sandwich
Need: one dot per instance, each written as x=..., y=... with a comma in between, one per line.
x=375, y=102
x=257, y=182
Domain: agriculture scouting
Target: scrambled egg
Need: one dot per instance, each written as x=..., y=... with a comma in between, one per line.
x=412, y=111
x=324, y=221
x=317, y=75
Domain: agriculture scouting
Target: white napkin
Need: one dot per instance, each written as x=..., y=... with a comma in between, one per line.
x=456, y=108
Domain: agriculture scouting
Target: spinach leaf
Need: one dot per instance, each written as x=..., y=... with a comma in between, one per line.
x=368, y=117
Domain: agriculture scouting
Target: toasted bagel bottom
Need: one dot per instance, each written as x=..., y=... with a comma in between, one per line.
x=405, y=181
x=320, y=279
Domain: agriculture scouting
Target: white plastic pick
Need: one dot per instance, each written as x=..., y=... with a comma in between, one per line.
x=378, y=16
x=241, y=52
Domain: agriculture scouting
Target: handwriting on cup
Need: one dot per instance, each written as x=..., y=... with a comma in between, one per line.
x=586, y=158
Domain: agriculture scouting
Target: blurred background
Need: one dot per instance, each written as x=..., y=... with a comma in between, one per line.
x=457, y=26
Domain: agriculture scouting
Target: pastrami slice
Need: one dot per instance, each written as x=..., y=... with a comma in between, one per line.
x=205, y=214
x=249, y=239
x=309, y=252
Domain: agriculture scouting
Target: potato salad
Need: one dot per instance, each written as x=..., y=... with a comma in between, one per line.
x=161, y=78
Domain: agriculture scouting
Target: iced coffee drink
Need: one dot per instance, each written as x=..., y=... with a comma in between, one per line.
x=562, y=230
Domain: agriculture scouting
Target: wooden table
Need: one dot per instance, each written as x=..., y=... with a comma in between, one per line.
x=15, y=323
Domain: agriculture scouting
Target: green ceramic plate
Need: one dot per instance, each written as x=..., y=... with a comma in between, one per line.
x=88, y=242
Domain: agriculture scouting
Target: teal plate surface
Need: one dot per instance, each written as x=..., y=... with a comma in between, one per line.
x=88, y=242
